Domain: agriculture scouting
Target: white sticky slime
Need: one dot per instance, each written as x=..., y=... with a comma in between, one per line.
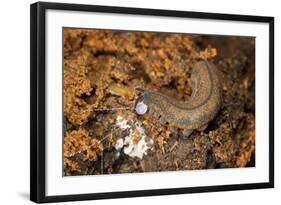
x=131, y=148
x=141, y=108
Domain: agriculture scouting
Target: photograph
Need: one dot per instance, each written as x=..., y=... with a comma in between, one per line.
x=145, y=101
x=134, y=102
x=140, y=102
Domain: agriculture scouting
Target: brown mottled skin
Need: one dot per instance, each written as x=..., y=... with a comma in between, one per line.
x=195, y=113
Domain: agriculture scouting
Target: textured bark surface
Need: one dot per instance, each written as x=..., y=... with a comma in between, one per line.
x=101, y=71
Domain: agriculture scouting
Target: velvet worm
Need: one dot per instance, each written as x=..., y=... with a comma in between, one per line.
x=196, y=112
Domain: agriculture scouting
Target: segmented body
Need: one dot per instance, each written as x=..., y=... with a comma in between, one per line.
x=194, y=113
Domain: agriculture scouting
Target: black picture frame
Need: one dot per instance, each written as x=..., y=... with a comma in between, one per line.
x=38, y=100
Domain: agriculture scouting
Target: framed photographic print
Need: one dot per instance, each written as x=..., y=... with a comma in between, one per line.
x=129, y=102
